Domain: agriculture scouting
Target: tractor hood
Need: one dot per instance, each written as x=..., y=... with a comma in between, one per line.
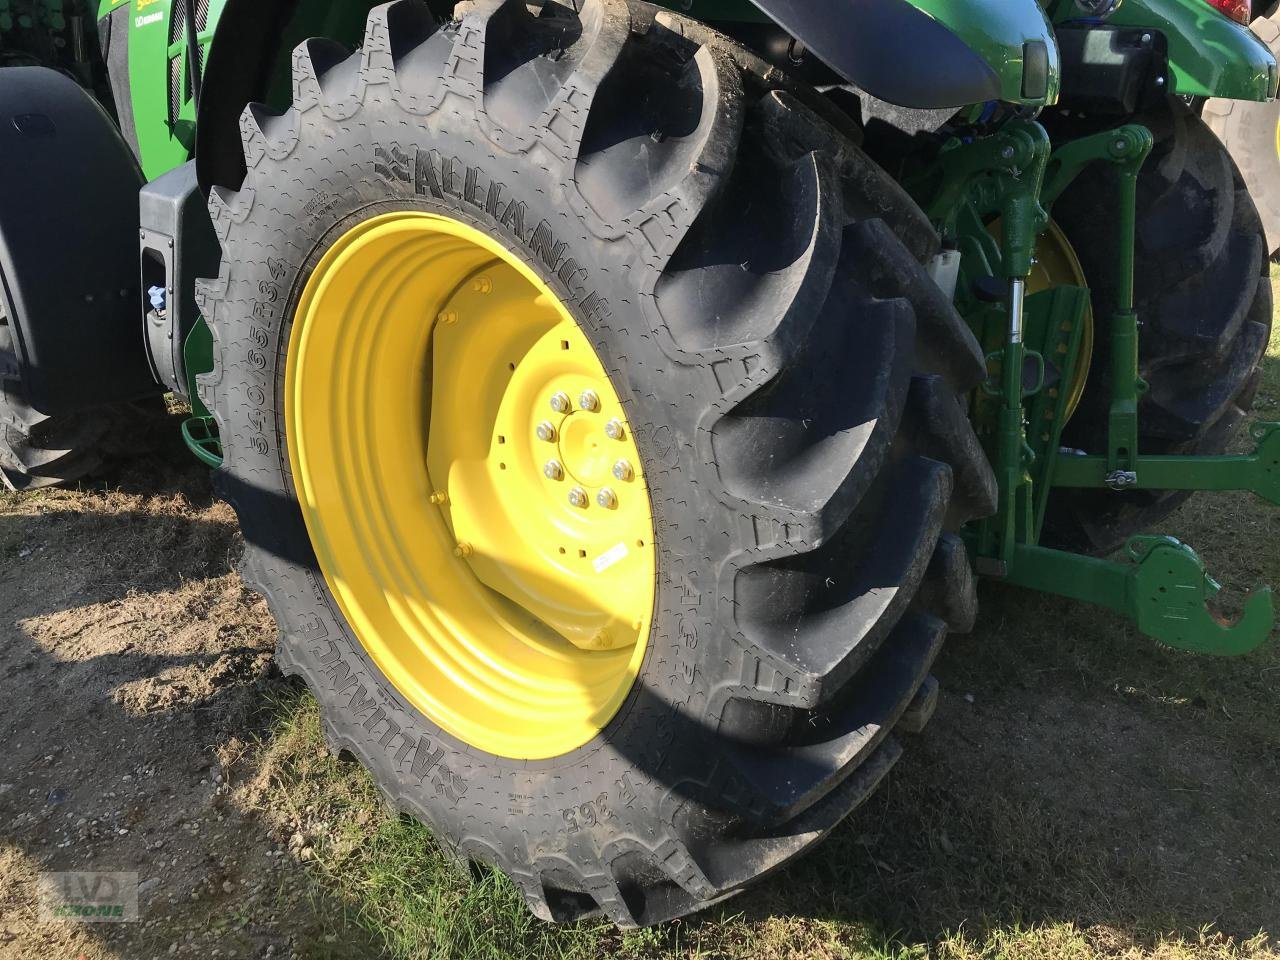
x=931, y=53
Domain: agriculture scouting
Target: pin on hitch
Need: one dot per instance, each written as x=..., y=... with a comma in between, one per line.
x=1257, y=472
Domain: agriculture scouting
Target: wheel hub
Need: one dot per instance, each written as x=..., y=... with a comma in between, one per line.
x=553, y=500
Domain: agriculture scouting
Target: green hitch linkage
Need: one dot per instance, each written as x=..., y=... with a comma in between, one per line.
x=1127, y=149
x=1161, y=585
x=1162, y=588
x=1011, y=164
x=1257, y=472
x=1166, y=592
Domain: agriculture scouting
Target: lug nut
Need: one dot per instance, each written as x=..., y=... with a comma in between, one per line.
x=448, y=317
x=622, y=470
x=560, y=403
x=553, y=470
x=578, y=498
x=546, y=431
x=482, y=285
x=439, y=498
x=463, y=550
x=589, y=401
x=607, y=499
x=613, y=429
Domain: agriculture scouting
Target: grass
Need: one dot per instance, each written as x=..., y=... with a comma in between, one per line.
x=1093, y=796
x=387, y=869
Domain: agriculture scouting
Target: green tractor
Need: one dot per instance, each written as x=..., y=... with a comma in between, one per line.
x=621, y=403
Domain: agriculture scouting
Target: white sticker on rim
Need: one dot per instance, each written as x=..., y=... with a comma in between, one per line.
x=614, y=554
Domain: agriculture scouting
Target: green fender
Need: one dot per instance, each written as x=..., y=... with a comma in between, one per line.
x=245, y=45
x=1000, y=31
x=1210, y=55
x=924, y=53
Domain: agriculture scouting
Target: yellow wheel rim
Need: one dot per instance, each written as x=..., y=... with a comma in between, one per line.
x=1057, y=265
x=470, y=484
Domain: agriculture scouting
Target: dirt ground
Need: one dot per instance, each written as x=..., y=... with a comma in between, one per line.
x=1075, y=774
x=130, y=655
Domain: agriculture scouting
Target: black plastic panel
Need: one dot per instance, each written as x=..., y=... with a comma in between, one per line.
x=113, y=34
x=177, y=246
x=68, y=244
x=1114, y=70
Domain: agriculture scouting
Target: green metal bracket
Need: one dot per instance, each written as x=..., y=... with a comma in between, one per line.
x=1055, y=328
x=1257, y=472
x=1162, y=587
x=200, y=434
x=1007, y=168
x=200, y=431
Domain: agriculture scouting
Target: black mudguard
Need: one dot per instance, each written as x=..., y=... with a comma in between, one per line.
x=69, y=245
x=890, y=49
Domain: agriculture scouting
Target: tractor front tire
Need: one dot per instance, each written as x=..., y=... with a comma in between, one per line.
x=1203, y=295
x=475, y=264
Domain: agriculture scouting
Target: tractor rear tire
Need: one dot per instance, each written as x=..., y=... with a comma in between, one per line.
x=38, y=451
x=1203, y=296
x=754, y=287
x=1251, y=133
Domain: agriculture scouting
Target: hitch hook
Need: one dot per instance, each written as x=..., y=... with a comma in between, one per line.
x=1169, y=593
